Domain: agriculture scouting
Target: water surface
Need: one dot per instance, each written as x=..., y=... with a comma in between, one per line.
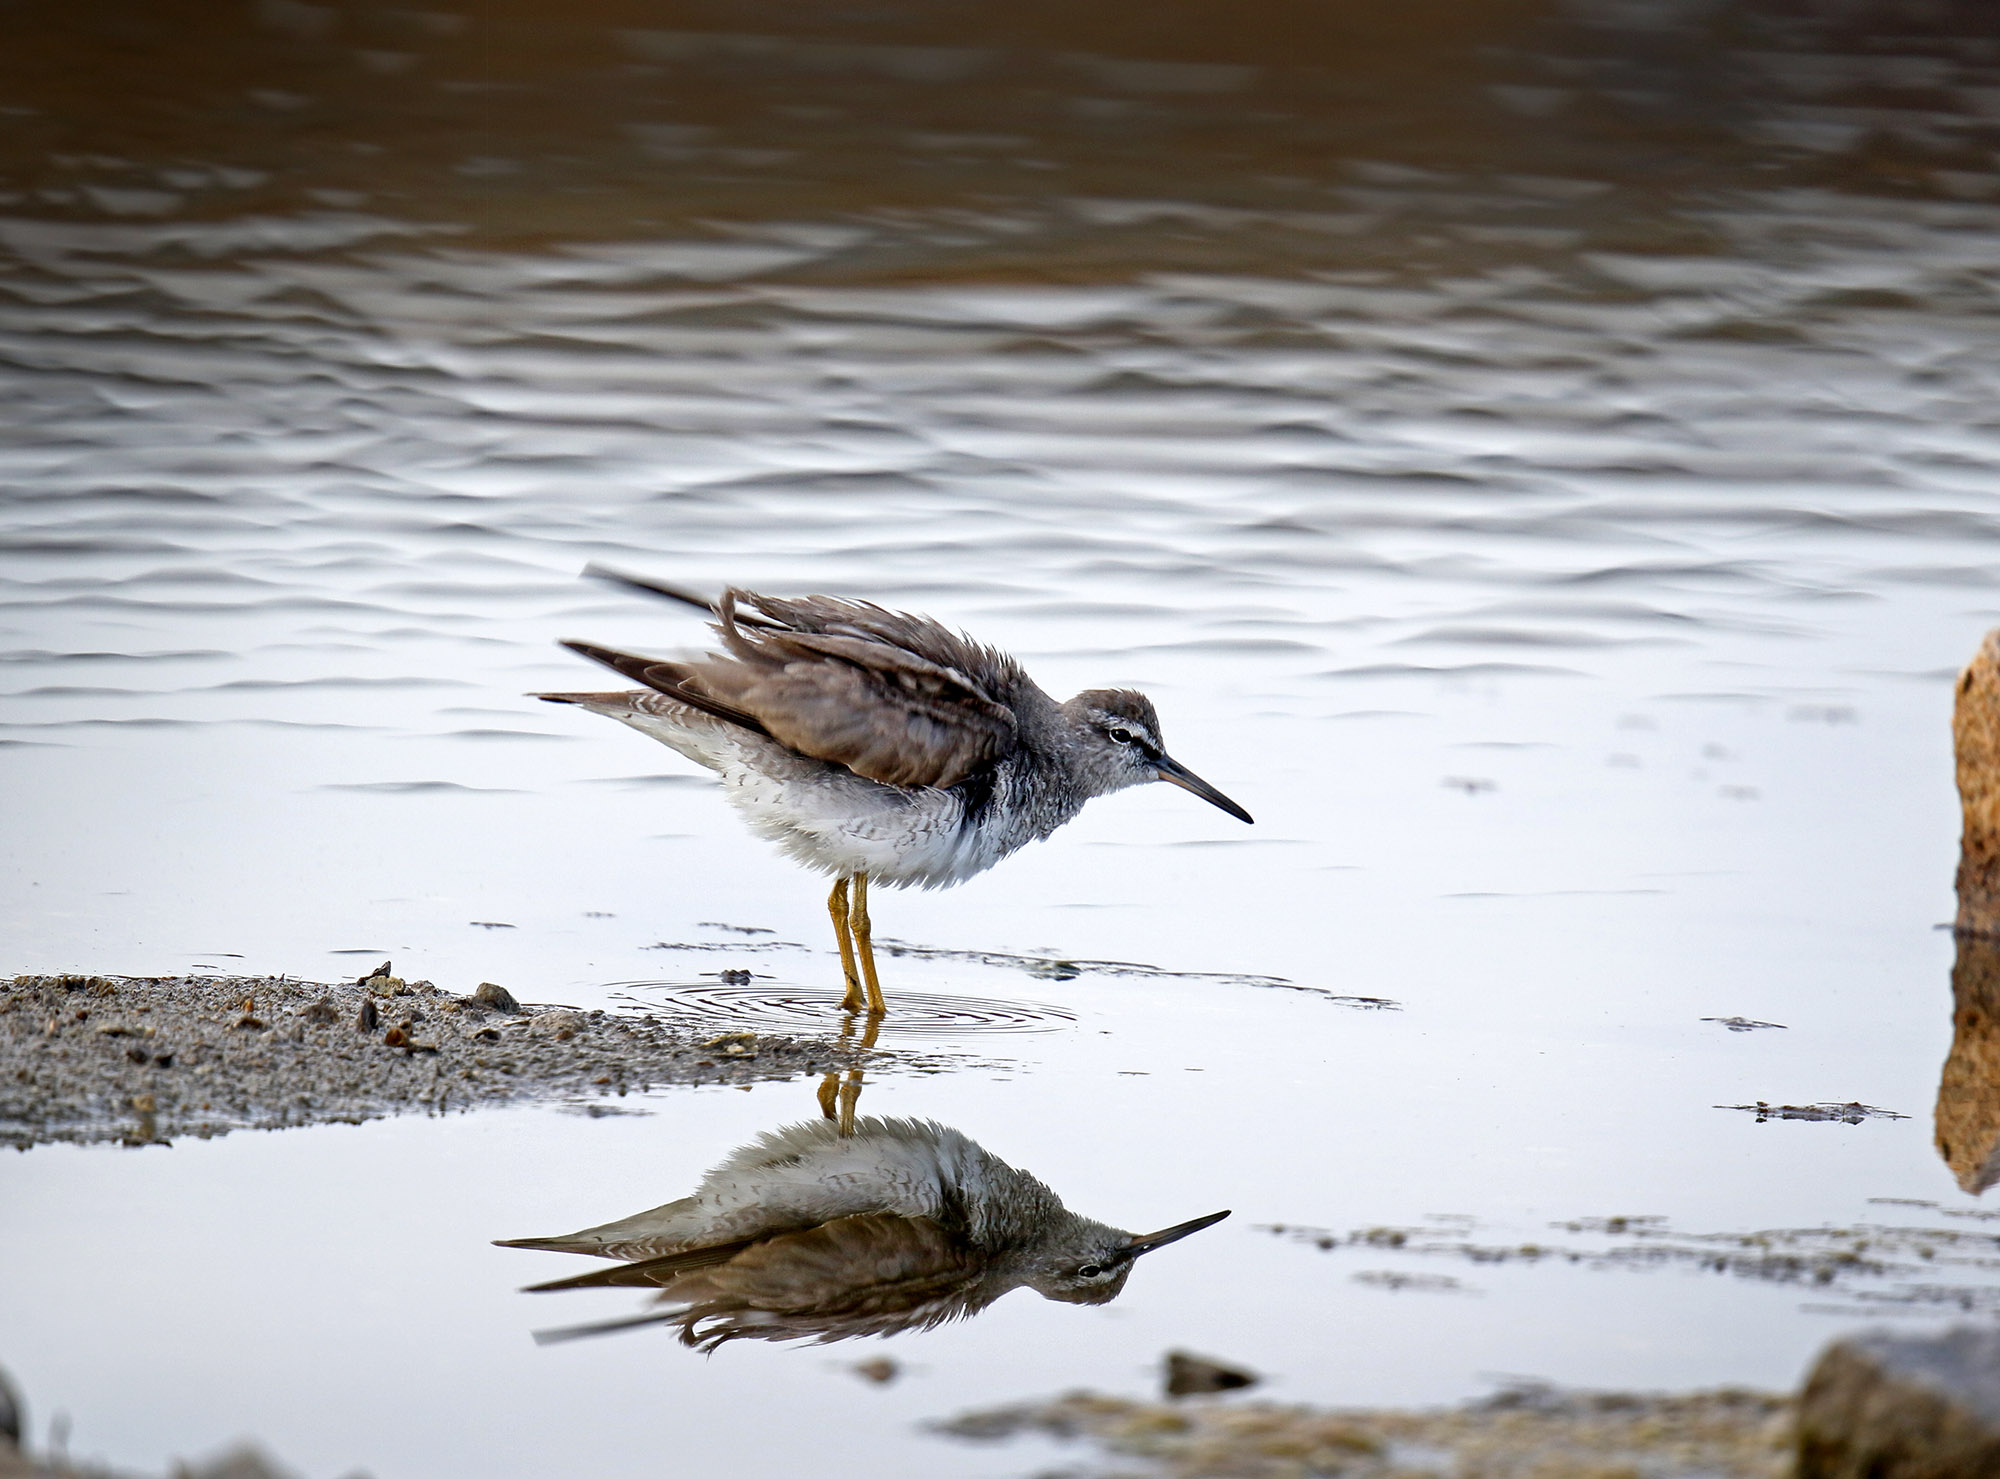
x=1544, y=473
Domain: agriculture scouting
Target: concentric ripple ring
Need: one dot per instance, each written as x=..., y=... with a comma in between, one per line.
x=770, y=1007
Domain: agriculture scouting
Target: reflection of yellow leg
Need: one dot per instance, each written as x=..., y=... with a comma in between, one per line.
x=833, y=1099
x=864, y=946
x=836, y=905
x=829, y=1084
x=850, y=1092
x=850, y=1095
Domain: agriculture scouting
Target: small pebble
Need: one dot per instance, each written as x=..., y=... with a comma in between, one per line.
x=562, y=1026
x=499, y=998
x=1190, y=1375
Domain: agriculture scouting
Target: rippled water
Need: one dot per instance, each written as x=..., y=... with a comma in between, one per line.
x=1546, y=475
x=756, y=1007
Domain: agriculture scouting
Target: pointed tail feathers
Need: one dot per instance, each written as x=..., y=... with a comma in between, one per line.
x=672, y=592
x=647, y=1273
x=676, y=680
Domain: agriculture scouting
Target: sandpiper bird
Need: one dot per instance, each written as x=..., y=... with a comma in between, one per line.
x=876, y=745
x=808, y=1232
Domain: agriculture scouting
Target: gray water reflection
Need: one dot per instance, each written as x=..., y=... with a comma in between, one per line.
x=827, y=1231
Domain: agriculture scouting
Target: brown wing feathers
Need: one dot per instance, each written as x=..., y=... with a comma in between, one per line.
x=875, y=1272
x=897, y=699
x=872, y=1263
x=671, y=678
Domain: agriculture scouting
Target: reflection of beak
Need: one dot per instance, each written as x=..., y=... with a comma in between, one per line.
x=1175, y=773
x=1148, y=1242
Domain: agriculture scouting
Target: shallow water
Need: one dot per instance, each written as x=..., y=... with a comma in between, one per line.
x=1550, y=494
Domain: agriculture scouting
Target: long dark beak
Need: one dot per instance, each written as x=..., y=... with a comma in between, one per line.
x=1149, y=1241
x=1175, y=773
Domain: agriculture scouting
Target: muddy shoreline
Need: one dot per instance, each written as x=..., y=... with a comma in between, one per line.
x=1523, y=1433
x=144, y=1060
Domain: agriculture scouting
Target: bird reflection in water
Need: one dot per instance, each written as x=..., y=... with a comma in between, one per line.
x=816, y=1231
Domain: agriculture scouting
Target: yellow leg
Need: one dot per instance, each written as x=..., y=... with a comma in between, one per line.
x=864, y=946
x=836, y=905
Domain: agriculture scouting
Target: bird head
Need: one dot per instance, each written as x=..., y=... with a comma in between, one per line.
x=1118, y=745
x=1085, y=1262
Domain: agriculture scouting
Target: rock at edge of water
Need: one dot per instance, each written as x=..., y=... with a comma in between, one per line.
x=496, y=997
x=1882, y=1406
x=1975, y=734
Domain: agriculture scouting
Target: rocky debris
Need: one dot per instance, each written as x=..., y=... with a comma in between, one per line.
x=1883, y=1406
x=1851, y=1113
x=1968, y=1102
x=1975, y=734
x=1744, y=1024
x=1190, y=1375
x=881, y=1370
x=145, y=1059
x=1871, y=1268
x=1536, y=1433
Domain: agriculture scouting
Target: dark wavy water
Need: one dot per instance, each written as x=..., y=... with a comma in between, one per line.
x=1544, y=469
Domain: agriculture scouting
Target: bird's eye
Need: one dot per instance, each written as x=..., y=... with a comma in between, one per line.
x=1090, y=1271
x=1119, y=735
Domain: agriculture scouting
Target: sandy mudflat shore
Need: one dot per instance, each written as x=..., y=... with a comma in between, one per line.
x=1530, y=1433
x=145, y=1059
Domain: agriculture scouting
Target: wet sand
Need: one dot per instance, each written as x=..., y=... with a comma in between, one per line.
x=145, y=1059
x=1528, y=1433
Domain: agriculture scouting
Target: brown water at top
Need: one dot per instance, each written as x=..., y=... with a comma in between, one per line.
x=1540, y=462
